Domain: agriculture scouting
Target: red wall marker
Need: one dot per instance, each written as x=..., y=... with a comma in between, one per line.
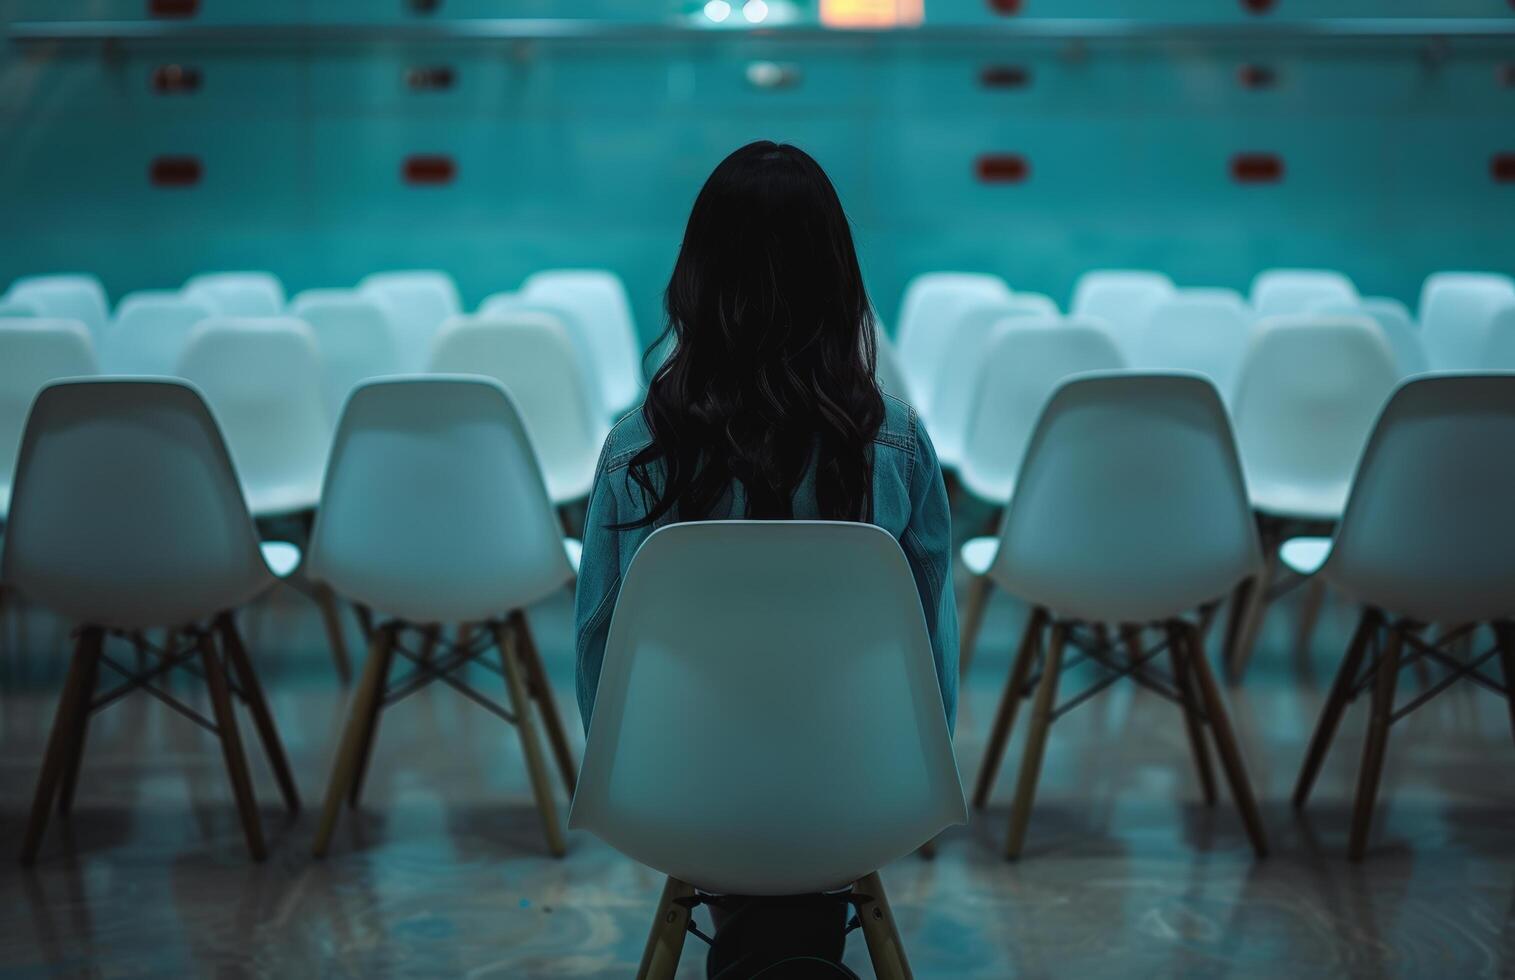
x=173, y=8
x=1258, y=6
x=175, y=171
x=1007, y=8
x=1502, y=168
x=429, y=169
x=1257, y=168
x=1004, y=76
x=168, y=79
x=1256, y=76
x=1002, y=168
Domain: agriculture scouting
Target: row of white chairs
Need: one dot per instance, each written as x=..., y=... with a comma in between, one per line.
x=386, y=324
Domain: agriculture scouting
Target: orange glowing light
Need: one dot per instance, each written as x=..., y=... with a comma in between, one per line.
x=872, y=13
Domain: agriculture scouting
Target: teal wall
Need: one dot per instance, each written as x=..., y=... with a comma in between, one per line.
x=580, y=152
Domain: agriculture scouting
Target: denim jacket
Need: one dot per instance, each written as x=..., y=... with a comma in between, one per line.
x=909, y=501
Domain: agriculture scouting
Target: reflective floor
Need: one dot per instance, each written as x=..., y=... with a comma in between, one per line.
x=443, y=873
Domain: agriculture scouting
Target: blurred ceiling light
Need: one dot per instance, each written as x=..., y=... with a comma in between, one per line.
x=756, y=11
x=718, y=10
x=872, y=13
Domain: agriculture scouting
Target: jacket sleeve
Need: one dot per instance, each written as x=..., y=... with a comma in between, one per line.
x=928, y=545
x=599, y=584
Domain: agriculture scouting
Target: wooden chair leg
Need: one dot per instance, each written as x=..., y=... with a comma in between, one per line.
x=885, y=949
x=1505, y=635
x=326, y=601
x=541, y=784
x=65, y=728
x=540, y=689
x=1236, y=611
x=1225, y=742
x=344, y=766
x=1309, y=616
x=231, y=747
x=370, y=731
x=1183, y=679
x=365, y=621
x=1036, y=742
x=665, y=943
x=980, y=588
x=430, y=636
x=1375, y=746
x=257, y=706
x=1335, y=706
x=80, y=736
x=1240, y=655
x=1009, y=704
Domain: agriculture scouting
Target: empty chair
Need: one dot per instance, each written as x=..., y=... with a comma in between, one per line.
x=355, y=339
x=32, y=353
x=823, y=751
x=1130, y=510
x=1455, y=310
x=417, y=302
x=958, y=373
x=1311, y=388
x=600, y=324
x=127, y=516
x=531, y=355
x=932, y=303
x=69, y=297
x=262, y=378
x=1498, y=353
x=433, y=513
x=887, y=369
x=1204, y=331
x=1020, y=368
x=1281, y=291
x=1428, y=537
x=149, y=332
x=1122, y=298
x=237, y=293
x=1398, y=328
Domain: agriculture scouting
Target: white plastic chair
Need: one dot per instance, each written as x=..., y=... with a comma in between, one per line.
x=262, y=378
x=354, y=336
x=127, y=516
x=772, y=732
x=1284, y=291
x=1129, y=509
x=33, y=352
x=932, y=302
x=433, y=513
x=887, y=369
x=1205, y=331
x=149, y=332
x=531, y=355
x=1123, y=299
x=1428, y=537
x=601, y=326
x=18, y=308
x=1455, y=310
x=417, y=303
x=958, y=374
x=1394, y=318
x=1498, y=353
x=66, y=297
x=237, y=293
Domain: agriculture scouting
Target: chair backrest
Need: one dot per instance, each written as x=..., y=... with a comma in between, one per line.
x=149, y=332
x=768, y=719
x=1283, y=291
x=126, y=511
x=1024, y=362
x=1455, y=310
x=1202, y=331
x=1429, y=531
x=531, y=355
x=18, y=308
x=1394, y=319
x=237, y=293
x=354, y=336
x=601, y=313
x=417, y=303
x=1498, y=353
x=262, y=379
x=1130, y=504
x=1122, y=298
x=887, y=370
x=958, y=373
x=932, y=303
x=433, y=508
x=33, y=352
x=1311, y=387
x=72, y=296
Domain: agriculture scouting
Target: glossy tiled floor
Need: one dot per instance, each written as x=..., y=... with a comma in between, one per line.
x=442, y=872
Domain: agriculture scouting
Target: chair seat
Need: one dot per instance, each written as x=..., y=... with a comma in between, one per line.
x=978, y=554
x=1315, y=503
x=281, y=556
x=575, y=549
x=1305, y=556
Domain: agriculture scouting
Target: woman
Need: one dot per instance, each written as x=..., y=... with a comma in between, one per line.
x=767, y=409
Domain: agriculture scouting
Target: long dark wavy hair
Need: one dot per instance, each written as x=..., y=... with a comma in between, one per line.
x=772, y=366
